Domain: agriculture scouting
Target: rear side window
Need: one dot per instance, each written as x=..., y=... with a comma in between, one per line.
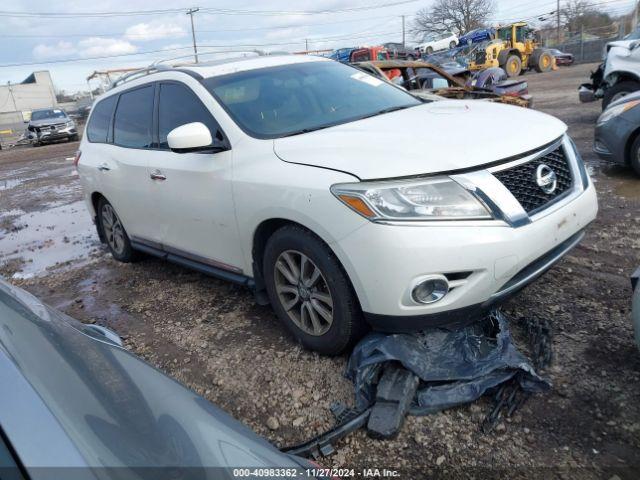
x=133, y=122
x=179, y=105
x=98, y=127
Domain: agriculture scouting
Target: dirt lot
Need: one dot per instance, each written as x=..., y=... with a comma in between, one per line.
x=211, y=336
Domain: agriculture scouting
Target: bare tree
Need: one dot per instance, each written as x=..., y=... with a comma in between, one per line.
x=577, y=14
x=460, y=16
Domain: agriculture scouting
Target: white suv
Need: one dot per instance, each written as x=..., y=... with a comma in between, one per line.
x=340, y=198
x=438, y=41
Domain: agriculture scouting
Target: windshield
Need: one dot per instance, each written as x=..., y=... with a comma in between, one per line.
x=291, y=99
x=44, y=114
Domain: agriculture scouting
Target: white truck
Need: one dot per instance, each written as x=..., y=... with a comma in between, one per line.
x=617, y=76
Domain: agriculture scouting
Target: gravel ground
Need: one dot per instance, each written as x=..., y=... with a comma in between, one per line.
x=211, y=336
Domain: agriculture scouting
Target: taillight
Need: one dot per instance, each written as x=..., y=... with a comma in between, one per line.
x=77, y=158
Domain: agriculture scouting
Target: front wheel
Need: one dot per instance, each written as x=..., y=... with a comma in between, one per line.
x=310, y=292
x=513, y=66
x=114, y=233
x=452, y=45
x=429, y=50
x=618, y=91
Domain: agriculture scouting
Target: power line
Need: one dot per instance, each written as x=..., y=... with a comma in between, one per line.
x=68, y=60
x=250, y=29
x=228, y=11
x=219, y=11
x=555, y=4
x=246, y=45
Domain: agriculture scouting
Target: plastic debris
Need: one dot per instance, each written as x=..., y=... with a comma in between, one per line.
x=454, y=367
x=433, y=370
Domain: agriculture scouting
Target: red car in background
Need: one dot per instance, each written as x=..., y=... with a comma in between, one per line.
x=562, y=58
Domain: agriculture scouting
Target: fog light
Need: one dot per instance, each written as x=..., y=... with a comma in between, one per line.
x=430, y=290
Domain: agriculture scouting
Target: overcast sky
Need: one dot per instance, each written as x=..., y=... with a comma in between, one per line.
x=28, y=39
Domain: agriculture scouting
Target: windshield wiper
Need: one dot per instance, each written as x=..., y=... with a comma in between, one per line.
x=307, y=130
x=386, y=110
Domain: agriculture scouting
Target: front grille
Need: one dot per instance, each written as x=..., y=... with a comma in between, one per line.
x=521, y=180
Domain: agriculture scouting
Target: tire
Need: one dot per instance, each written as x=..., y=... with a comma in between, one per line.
x=452, y=44
x=513, y=66
x=302, y=301
x=119, y=244
x=410, y=58
x=634, y=155
x=428, y=50
x=619, y=90
x=73, y=138
x=542, y=61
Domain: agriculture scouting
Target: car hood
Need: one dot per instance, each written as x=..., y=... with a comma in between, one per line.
x=435, y=137
x=48, y=121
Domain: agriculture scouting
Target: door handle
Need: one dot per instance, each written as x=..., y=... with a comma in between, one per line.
x=157, y=175
x=103, y=167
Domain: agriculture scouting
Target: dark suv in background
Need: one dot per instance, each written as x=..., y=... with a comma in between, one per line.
x=50, y=124
x=401, y=52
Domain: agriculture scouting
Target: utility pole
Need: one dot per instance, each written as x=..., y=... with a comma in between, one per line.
x=306, y=45
x=190, y=12
x=13, y=99
x=558, y=20
x=403, y=31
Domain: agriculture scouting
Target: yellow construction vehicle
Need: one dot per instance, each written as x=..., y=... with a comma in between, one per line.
x=514, y=49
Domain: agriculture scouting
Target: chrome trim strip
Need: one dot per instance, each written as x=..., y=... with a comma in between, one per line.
x=541, y=269
x=494, y=195
x=528, y=158
x=189, y=256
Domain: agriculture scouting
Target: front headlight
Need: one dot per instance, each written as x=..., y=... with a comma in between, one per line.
x=438, y=198
x=613, y=112
x=70, y=124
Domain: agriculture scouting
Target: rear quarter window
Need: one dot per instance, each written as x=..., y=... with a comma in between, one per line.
x=98, y=127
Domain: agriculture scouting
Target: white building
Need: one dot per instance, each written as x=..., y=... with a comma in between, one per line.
x=17, y=100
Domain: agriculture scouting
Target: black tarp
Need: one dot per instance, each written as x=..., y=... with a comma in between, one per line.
x=454, y=367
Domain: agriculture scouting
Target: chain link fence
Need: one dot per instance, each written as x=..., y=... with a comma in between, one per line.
x=586, y=50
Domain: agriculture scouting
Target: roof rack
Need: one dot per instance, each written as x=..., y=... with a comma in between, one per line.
x=160, y=66
x=202, y=54
x=140, y=73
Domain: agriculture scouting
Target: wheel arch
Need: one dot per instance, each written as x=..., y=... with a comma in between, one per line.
x=504, y=54
x=95, y=200
x=629, y=144
x=261, y=235
x=618, y=76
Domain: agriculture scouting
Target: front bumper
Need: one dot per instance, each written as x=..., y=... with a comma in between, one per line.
x=485, y=262
x=51, y=135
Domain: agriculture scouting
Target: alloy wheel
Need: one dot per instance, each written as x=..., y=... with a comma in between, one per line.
x=112, y=228
x=303, y=292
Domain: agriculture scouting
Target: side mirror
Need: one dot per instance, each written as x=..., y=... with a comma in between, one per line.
x=190, y=137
